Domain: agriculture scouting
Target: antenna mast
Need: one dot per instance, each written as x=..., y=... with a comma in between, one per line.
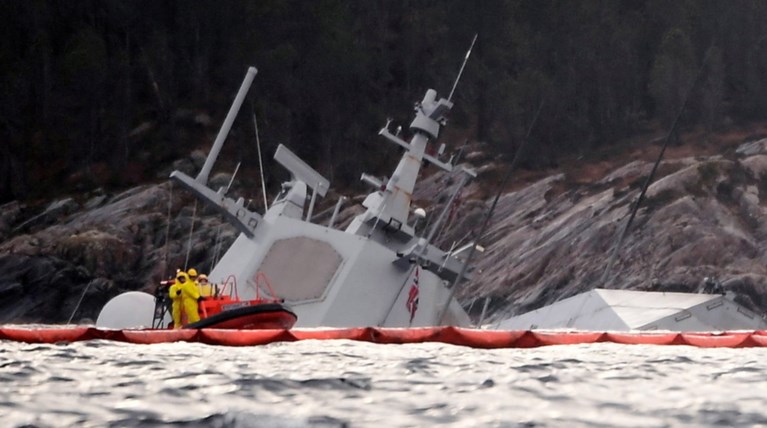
x=260, y=162
x=460, y=72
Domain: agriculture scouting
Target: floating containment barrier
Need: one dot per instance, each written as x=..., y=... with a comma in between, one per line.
x=486, y=339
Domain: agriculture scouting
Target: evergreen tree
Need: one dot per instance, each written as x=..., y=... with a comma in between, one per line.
x=672, y=74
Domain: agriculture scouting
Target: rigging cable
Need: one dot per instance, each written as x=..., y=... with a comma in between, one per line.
x=217, y=241
x=79, y=302
x=167, y=226
x=191, y=231
x=453, y=206
x=616, y=248
x=413, y=266
x=260, y=162
x=489, y=215
x=216, y=248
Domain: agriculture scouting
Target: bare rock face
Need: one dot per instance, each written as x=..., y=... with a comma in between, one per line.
x=69, y=259
x=703, y=217
x=48, y=289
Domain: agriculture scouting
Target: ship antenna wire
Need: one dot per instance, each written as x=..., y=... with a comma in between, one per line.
x=465, y=60
x=648, y=180
x=79, y=302
x=260, y=162
x=489, y=214
x=191, y=231
x=167, y=226
x=231, y=180
x=216, y=243
x=216, y=248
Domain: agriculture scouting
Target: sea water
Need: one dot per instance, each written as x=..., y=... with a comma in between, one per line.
x=356, y=384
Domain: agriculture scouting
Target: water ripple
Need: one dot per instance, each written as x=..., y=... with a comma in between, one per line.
x=353, y=384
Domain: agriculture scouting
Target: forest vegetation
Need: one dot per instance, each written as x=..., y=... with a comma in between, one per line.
x=105, y=93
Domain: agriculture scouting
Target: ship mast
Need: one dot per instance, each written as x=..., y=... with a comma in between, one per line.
x=390, y=205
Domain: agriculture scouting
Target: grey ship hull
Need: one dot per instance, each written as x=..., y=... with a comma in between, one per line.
x=624, y=310
x=376, y=272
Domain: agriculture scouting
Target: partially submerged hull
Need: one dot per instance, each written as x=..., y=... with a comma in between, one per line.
x=331, y=278
x=631, y=310
x=378, y=271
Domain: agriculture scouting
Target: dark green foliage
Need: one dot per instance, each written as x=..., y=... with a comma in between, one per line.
x=672, y=74
x=76, y=77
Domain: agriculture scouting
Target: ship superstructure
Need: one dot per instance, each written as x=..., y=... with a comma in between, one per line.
x=376, y=272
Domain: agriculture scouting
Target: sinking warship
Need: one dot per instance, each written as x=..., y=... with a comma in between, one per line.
x=631, y=310
x=377, y=272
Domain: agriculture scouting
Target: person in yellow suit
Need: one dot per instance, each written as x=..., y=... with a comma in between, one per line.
x=184, y=294
x=192, y=272
x=175, y=297
x=206, y=290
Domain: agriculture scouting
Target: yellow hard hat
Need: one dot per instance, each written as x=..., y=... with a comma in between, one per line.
x=192, y=272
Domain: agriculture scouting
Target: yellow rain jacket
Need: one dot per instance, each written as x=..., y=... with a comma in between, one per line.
x=190, y=294
x=184, y=293
x=206, y=289
x=175, y=296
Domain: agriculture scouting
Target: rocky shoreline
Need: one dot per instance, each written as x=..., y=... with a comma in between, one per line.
x=704, y=217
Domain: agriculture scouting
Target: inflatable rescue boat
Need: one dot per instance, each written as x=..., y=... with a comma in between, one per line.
x=222, y=308
x=219, y=307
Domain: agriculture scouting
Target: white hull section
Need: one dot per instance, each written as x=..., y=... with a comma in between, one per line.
x=624, y=310
x=332, y=278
